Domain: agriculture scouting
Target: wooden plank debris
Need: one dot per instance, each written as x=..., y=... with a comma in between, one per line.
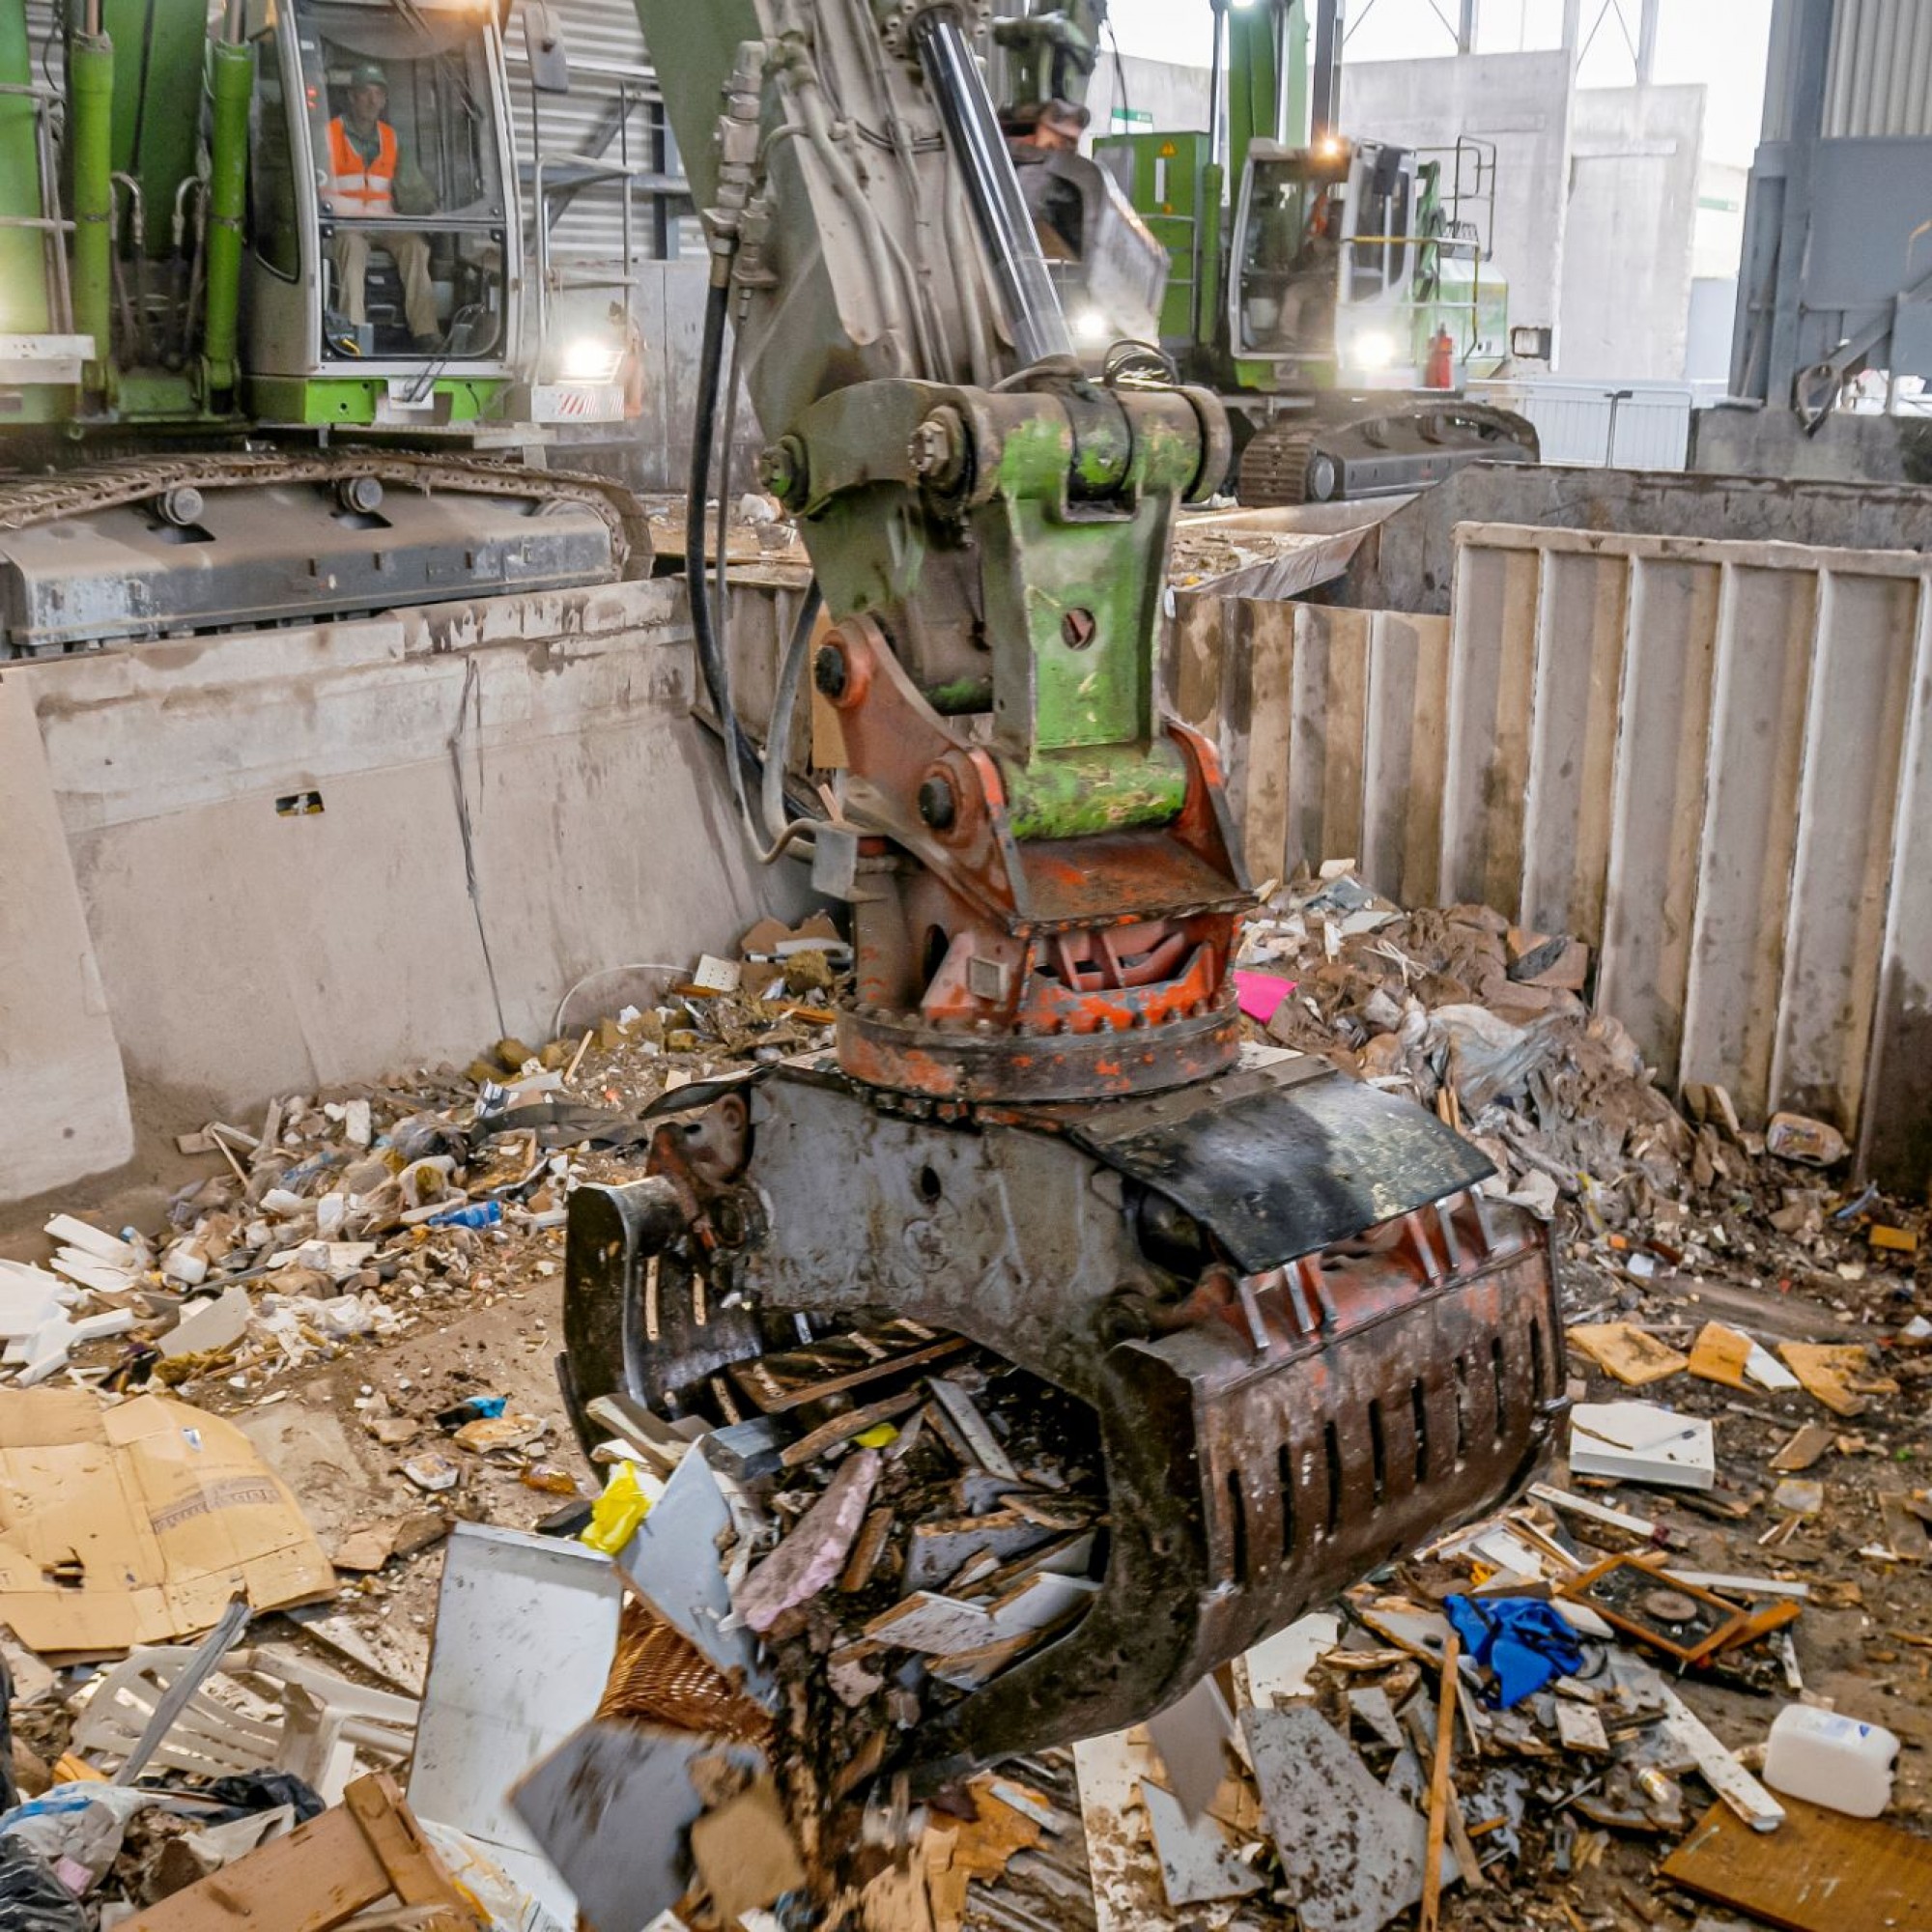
x=1629, y=1354
x=870, y=1546
x=1719, y=1354
x=842, y=1428
x=1442, y=1794
x=1904, y=1534
x=761, y=1382
x=365, y=1849
x=1829, y=1372
x=1821, y=1872
x=963, y=1413
x=1807, y=1447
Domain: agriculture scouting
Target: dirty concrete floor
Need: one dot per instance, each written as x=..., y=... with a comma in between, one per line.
x=1873, y=1659
x=491, y=1324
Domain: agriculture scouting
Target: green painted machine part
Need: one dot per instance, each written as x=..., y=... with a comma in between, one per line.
x=1267, y=79
x=356, y=401
x=231, y=76
x=25, y=307
x=90, y=66
x=1176, y=191
x=1310, y=284
x=157, y=75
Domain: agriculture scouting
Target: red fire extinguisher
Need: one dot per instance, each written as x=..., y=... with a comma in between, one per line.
x=1440, y=371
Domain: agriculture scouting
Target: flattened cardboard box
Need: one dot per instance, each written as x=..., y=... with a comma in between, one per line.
x=137, y=1524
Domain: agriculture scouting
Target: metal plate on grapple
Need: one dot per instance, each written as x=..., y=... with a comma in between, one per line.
x=1284, y=1156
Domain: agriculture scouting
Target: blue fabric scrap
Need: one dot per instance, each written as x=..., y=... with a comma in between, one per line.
x=1521, y=1641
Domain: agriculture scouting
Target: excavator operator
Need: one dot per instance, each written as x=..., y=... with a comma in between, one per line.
x=369, y=175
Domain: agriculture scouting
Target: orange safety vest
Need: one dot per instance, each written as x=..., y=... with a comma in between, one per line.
x=357, y=186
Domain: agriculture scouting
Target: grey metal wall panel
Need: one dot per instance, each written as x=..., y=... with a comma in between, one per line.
x=1709, y=758
x=1879, y=77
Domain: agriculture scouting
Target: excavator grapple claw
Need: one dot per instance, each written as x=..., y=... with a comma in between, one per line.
x=1306, y=1343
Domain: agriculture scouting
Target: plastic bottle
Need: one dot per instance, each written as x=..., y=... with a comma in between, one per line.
x=1831, y=1760
x=477, y=1214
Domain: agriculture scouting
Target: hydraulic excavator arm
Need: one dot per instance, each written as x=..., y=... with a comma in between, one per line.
x=1305, y=1341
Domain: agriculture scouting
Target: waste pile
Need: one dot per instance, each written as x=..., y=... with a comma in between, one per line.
x=382, y=1626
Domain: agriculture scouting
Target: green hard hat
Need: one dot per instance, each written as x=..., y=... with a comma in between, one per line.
x=369, y=74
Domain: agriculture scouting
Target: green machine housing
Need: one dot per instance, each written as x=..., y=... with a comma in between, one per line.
x=171, y=258
x=1336, y=292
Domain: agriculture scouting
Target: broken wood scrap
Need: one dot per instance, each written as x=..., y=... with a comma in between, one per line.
x=1821, y=1871
x=1810, y=1443
x=1629, y=1354
x=867, y=1548
x=1836, y=1374
x=1441, y=1793
x=959, y=1411
x=936, y=1550
x=365, y=1849
x=774, y=1395
x=842, y=1428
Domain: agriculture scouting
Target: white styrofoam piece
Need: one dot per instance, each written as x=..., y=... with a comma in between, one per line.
x=487, y=1717
x=1279, y=1665
x=1642, y=1442
x=104, y=1246
x=30, y=1298
x=1768, y=1372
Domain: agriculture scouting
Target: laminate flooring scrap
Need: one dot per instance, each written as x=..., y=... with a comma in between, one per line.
x=1820, y=1871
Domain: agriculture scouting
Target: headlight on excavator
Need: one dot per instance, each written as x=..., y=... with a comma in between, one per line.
x=590, y=359
x=1374, y=350
x=1090, y=327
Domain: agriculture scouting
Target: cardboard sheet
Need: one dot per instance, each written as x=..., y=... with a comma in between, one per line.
x=137, y=1524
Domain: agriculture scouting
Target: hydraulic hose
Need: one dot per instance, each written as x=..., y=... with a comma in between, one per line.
x=738, y=748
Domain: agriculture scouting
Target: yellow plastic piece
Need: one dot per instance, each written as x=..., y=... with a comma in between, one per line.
x=877, y=1437
x=615, y=1515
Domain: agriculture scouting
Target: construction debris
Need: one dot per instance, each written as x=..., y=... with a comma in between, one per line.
x=1522, y=1720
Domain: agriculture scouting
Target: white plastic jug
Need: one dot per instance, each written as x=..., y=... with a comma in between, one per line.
x=1829, y=1759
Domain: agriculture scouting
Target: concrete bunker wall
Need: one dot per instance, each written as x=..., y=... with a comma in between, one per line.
x=250, y=864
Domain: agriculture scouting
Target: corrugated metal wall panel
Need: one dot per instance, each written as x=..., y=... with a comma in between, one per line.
x=1757, y=917
x=605, y=116
x=1880, y=77
x=1620, y=425
x=1712, y=759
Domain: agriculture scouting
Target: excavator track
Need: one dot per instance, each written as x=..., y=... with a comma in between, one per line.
x=217, y=540
x=1379, y=454
x=26, y=501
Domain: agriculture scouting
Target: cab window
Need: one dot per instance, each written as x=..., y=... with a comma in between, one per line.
x=271, y=176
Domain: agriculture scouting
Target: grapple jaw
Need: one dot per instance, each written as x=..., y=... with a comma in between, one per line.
x=1307, y=1345
x=1249, y=1484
